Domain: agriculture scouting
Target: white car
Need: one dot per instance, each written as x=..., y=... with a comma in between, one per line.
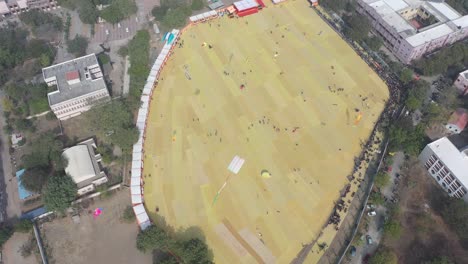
x=126, y=30
x=107, y=32
x=118, y=25
x=371, y=213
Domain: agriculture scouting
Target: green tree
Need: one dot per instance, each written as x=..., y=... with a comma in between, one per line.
x=392, y=228
x=440, y=260
x=59, y=192
x=153, y=238
x=5, y=234
x=36, y=18
x=46, y=151
x=335, y=5
x=194, y=251
x=77, y=46
x=374, y=43
x=88, y=12
x=404, y=136
x=376, y=198
x=381, y=180
x=45, y=60
x=406, y=75
x=34, y=179
x=23, y=226
x=138, y=51
x=128, y=215
x=383, y=256
x=159, y=12
x=114, y=123
x=197, y=4
x=177, y=17
x=358, y=27
x=118, y=10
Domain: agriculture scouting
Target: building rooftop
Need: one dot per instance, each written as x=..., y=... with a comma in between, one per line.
x=4, y=8
x=464, y=74
x=82, y=164
x=459, y=118
x=452, y=158
x=88, y=82
x=448, y=19
x=429, y=35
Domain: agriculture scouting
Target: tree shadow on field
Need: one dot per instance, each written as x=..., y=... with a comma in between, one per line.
x=182, y=234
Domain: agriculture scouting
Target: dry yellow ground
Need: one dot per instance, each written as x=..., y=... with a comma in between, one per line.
x=197, y=126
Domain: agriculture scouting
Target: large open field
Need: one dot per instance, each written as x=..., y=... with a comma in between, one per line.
x=297, y=117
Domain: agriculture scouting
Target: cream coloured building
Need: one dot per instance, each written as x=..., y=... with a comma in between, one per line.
x=413, y=28
x=80, y=85
x=84, y=166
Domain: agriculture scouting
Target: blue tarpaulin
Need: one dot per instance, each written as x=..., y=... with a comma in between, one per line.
x=22, y=192
x=34, y=213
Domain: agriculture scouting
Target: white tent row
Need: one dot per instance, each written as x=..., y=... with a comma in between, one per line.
x=145, y=225
x=139, y=209
x=136, y=173
x=147, y=89
x=151, y=79
x=137, y=148
x=141, y=126
x=136, y=199
x=278, y=1
x=136, y=164
x=135, y=181
x=245, y=4
x=142, y=218
x=144, y=101
x=135, y=190
x=137, y=156
x=203, y=16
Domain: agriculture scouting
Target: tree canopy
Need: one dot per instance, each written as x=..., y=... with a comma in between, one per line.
x=5, y=233
x=77, y=46
x=383, y=256
x=404, y=136
x=138, y=51
x=381, y=179
x=197, y=4
x=440, y=61
x=59, y=192
x=189, y=251
x=34, y=179
x=357, y=27
x=46, y=151
x=177, y=17
x=118, y=10
x=113, y=122
x=406, y=75
x=417, y=93
x=392, y=228
x=36, y=18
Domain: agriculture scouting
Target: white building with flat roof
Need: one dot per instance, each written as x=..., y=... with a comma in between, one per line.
x=14, y=7
x=462, y=82
x=84, y=166
x=412, y=28
x=80, y=85
x=448, y=166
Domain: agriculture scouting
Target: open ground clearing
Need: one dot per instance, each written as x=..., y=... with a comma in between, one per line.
x=104, y=239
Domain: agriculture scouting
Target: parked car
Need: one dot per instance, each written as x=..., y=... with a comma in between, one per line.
x=369, y=240
x=352, y=251
x=372, y=213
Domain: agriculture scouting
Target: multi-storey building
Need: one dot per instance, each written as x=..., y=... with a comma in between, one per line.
x=80, y=85
x=14, y=7
x=448, y=166
x=412, y=28
x=462, y=82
